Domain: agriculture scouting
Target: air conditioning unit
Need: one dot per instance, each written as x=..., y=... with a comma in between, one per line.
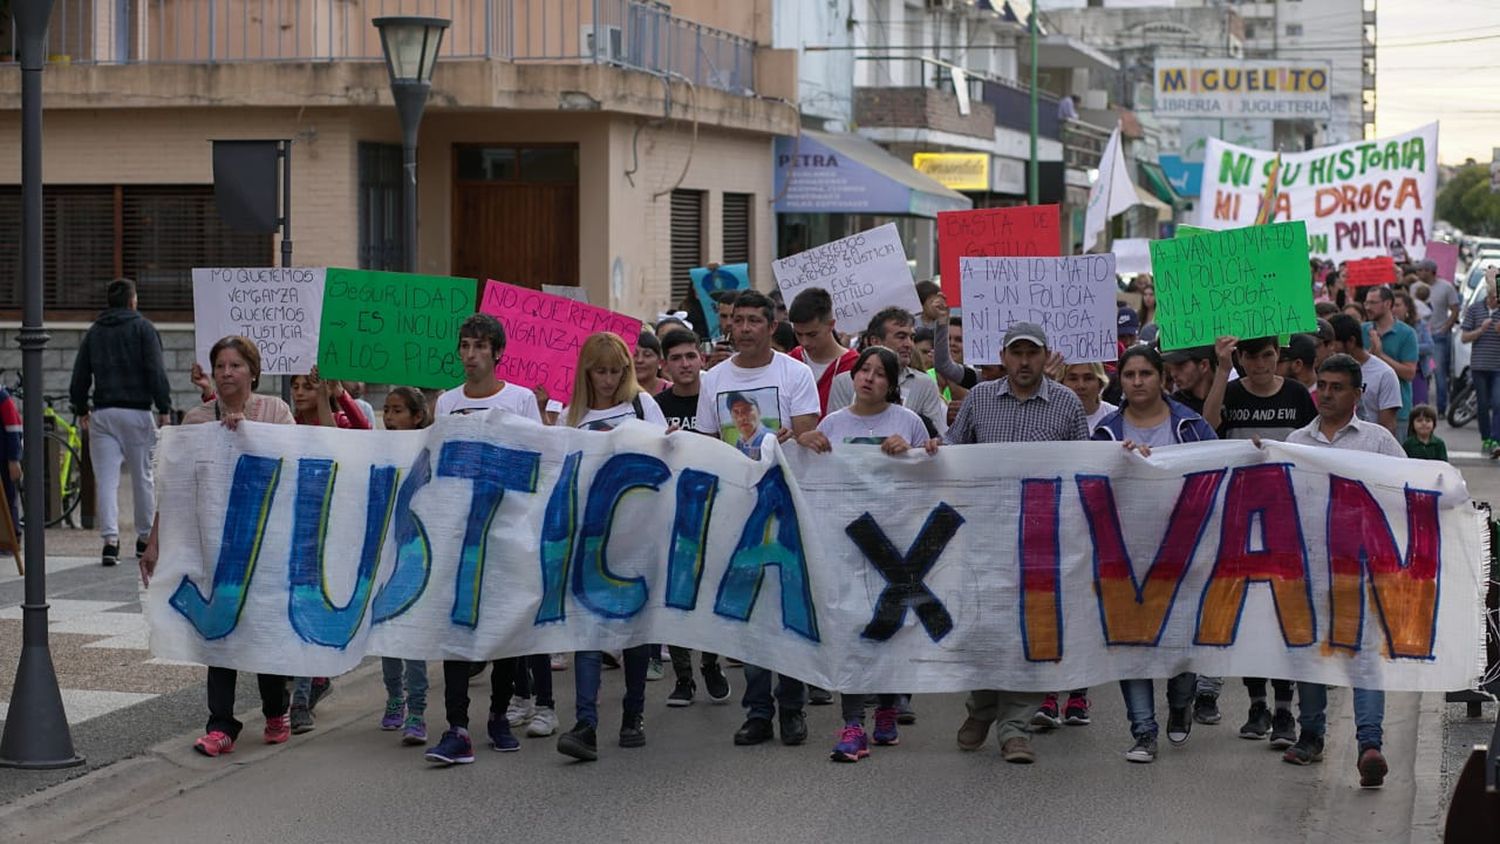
x=602, y=42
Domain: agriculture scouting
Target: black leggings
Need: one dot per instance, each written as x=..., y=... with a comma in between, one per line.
x=274, y=699
x=456, y=688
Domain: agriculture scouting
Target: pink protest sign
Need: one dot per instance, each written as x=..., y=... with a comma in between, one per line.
x=544, y=332
x=1445, y=255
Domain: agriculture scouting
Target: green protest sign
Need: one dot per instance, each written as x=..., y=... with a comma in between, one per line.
x=1185, y=230
x=393, y=328
x=1249, y=282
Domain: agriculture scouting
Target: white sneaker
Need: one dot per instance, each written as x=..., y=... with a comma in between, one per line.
x=543, y=723
x=559, y=662
x=520, y=711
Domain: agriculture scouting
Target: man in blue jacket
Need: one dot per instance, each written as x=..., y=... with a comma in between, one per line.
x=121, y=360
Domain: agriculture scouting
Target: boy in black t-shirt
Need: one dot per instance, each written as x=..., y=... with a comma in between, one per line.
x=1261, y=405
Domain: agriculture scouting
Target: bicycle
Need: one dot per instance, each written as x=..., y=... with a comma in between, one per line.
x=65, y=437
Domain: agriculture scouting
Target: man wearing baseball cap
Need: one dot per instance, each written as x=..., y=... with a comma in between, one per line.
x=1299, y=362
x=1129, y=323
x=1024, y=406
x=1443, y=298
x=1192, y=372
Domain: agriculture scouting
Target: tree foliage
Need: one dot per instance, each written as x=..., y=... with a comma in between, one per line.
x=1466, y=202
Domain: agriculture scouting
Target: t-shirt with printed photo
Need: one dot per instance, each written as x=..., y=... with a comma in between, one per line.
x=1246, y=415
x=509, y=397
x=744, y=405
x=611, y=418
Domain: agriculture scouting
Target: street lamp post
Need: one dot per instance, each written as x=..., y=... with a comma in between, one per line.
x=36, y=727
x=411, y=48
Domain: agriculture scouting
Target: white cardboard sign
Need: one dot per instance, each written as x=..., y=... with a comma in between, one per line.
x=279, y=308
x=863, y=273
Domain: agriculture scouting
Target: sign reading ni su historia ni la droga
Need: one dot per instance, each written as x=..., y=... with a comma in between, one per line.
x=1247, y=282
x=1357, y=199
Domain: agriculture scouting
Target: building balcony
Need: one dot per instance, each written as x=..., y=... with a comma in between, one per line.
x=633, y=34
x=1083, y=144
x=923, y=108
x=1012, y=106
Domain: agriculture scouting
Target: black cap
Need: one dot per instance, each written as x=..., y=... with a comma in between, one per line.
x=1189, y=354
x=1303, y=347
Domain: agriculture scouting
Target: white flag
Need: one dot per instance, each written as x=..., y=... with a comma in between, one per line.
x=1111, y=194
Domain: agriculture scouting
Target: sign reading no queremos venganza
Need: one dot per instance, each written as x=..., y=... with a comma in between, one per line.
x=863, y=273
x=299, y=550
x=393, y=328
x=1250, y=282
x=544, y=332
x=278, y=308
x=1072, y=298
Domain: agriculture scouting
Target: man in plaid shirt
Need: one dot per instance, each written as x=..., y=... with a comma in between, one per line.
x=1024, y=406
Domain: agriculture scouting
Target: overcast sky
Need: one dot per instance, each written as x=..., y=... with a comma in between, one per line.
x=1456, y=82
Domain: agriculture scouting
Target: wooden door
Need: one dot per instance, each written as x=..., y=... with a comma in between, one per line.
x=516, y=232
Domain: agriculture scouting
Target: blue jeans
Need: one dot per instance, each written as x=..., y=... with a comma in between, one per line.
x=1140, y=700
x=415, y=671
x=1487, y=390
x=587, y=666
x=1442, y=355
x=1369, y=712
x=791, y=693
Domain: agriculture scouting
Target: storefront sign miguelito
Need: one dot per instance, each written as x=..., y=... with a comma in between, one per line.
x=955, y=170
x=1227, y=88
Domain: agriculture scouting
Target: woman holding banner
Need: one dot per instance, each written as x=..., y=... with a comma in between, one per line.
x=605, y=394
x=235, y=362
x=1146, y=420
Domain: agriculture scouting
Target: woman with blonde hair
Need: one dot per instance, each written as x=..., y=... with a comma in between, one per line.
x=605, y=392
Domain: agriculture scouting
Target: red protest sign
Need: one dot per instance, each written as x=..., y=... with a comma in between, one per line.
x=1026, y=231
x=1370, y=272
x=544, y=332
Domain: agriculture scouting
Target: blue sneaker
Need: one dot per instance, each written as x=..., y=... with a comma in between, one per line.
x=500, y=736
x=853, y=745
x=454, y=748
x=886, y=733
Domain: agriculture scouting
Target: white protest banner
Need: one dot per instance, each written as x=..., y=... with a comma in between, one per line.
x=280, y=308
x=300, y=550
x=1227, y=88
x=1356, y=198
x=863, y=273
x=1132, y=254
x=1072, y=298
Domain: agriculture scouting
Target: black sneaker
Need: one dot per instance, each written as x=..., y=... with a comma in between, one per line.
x=1179, y=724
x=1206, y=709
x=904, y=713
x=1283, y=729
x=754, y=731
x=580, y=742
x=716, y=684
x=1307, y=750
x=682, y=693
x=111, y=554
x=793, y=727
x=1258, y=725
x=140, y=548
x=1143, y=751
x=633, y=730
x=819, y=697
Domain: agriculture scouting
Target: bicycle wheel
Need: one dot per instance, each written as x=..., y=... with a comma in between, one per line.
x=70, y=488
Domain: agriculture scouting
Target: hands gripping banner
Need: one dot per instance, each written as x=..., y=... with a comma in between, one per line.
x=296, y=550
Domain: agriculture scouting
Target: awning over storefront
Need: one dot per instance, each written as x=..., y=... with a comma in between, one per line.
x=1163, y=210
x=1160, y=186
x=827, y=173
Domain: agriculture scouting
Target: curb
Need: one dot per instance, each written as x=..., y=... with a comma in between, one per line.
x=85, y=805
x=1426, y=810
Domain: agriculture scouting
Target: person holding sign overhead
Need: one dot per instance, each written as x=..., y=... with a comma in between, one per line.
x=786, y=399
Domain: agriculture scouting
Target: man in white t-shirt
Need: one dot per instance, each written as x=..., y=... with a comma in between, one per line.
x=481, y=342
x=1381, y=399
x=894, y=328
x=759, y=388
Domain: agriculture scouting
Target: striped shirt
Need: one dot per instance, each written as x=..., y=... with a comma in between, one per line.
x=991, y=413
x=1485, y=350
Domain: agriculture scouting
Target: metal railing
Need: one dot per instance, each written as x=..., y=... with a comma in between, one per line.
x=634, y=34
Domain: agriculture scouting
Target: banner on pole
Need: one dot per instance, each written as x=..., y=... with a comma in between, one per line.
x=1072, y=299
x=716, y=279
x=1357, y=199
x=279, y=308
x=544, y=332
x=1249, y=282
x=1028, y=231
x=300, y=550
x=393, y=328
x=863, y=273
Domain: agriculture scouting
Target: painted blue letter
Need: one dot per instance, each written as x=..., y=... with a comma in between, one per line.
x=250, y=496
x=594, y=585
x=493, y=470
x=557, y=541
x=757, y=549
x=695, y=505
x=413, y=550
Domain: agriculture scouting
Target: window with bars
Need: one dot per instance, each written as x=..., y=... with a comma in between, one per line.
x=381, y=208
x=687, y=240
x=153, y=234
x=737, y=228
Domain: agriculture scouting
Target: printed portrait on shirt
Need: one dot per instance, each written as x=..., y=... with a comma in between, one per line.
x=607, y=424
x=747, y=417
